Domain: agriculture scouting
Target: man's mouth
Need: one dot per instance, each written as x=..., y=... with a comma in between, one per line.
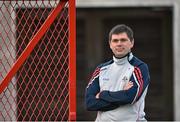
x=119, y=49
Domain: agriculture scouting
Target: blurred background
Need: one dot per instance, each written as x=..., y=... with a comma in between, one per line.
x=152, y=23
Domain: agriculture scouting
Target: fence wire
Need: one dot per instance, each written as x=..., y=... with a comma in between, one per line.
x=39, y=90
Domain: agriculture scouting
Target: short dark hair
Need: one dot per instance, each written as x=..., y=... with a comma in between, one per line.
x=122, y=28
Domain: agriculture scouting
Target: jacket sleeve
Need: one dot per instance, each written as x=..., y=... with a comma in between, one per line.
x=140, y=79
x=92, y=103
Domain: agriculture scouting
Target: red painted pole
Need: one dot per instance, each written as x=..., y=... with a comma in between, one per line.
x=31, y=45
x=72, y=60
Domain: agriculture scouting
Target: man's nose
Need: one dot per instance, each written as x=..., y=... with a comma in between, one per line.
x=119, y=42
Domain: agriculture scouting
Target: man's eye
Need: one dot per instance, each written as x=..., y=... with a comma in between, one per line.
x=123, y=40
x=115, y=40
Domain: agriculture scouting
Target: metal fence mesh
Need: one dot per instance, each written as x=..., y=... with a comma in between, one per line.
x=39, y=90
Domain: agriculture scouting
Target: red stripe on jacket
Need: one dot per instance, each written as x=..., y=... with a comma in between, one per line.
x=140, y=80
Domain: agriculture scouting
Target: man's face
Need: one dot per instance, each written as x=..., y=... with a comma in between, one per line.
x=120, y=44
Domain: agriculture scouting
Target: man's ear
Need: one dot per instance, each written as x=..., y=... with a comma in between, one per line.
x=132, y=43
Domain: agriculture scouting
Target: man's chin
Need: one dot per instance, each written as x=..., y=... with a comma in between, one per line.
x=120, y=55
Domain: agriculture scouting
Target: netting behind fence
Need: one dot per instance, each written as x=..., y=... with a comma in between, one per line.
x=40, y=88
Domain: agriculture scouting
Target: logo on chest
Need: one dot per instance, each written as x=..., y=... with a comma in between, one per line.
x=125, y=79
x=105, y=79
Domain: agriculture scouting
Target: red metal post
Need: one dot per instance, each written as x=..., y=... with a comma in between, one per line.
x=72, y=60
x=33, y=43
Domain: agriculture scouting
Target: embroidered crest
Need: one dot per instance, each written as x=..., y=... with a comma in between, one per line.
x=125, y=79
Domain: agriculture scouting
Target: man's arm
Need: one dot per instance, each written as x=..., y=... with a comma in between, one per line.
x=126, y=87
x=93, y=103
x=140, y=79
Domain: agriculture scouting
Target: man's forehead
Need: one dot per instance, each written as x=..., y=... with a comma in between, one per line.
x=120, y=35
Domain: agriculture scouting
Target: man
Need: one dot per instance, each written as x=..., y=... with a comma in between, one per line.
x=118, y=87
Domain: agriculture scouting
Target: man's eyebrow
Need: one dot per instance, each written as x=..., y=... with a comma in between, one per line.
x=115, y=39
x=123, y=39
x=120, y=39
